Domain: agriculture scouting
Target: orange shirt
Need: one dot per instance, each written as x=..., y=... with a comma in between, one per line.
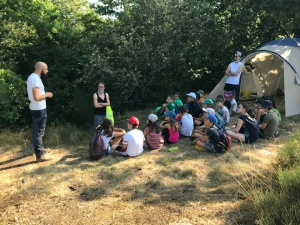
x=201, y=99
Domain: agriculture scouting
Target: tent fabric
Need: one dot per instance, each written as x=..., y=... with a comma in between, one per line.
x=295, y=42
x=276, y=66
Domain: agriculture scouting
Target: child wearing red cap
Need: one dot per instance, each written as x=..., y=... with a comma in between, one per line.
x=133, y=140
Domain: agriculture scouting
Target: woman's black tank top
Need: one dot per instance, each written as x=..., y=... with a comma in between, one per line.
x=102, y=110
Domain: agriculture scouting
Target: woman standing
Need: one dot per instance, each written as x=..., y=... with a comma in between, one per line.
x=101, y=100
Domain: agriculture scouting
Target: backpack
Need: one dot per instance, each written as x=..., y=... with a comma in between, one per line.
x=278, y=113
x=225, y=140
x=97, y=148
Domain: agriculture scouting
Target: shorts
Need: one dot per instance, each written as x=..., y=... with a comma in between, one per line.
x=231, y=87
x=121, y=151
x=209, y=147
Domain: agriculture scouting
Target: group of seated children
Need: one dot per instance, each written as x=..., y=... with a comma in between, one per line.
x=196, y=119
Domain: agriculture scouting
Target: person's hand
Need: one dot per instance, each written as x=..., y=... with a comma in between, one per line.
x=49, y=94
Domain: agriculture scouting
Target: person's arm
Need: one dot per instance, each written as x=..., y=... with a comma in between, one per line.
x=146, y=131
x=224, y=114
x=96, y=103
x=258, y=115
x=204, y=138
x=165, y=126
x=263, y=126
x=119, y=132
x=265, y=123
x=107, y=101
x=238, y=126
x=238, y=71
x=227, y=72
x=37, y=94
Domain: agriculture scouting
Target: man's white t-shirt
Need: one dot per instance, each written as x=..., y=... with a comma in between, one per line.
x=234, y=103
x=234, y=66
x=135, y=141
x=187, y=125
x=34, y=80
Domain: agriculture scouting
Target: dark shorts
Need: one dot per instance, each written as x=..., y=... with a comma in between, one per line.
x=121, y=150
x=231, y=87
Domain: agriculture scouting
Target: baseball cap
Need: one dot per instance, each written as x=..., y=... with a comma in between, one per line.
x=200, y=92
x=210, y=111
x=192, y=94
x=238, y=53
x=229, y=94
x=208, y=101
x=212, y=119
x=171, y=114
x=153, y=117
x=258, y=101
x=133, y=120
x=267, y=104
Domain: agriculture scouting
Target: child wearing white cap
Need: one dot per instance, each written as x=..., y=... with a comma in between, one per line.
x=152, y=133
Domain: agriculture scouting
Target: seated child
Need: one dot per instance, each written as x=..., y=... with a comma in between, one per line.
x=233, y=104
x=200, y=96
x=246, y=129
x=194, y=107
x=206, y=103
x=201, y=130
x=170, y=128
x=227, y=102
x=169, y=106
x=133, y=140
x=210, y=141
x=187, y=123
x=152, y=133
x=108, y=131
x=269, y=127
x=177, y=99
x=259, y=112
x=223, y=110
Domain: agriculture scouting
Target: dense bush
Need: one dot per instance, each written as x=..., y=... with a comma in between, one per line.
x=12, y=97
x=277, y=201
x=143, y=50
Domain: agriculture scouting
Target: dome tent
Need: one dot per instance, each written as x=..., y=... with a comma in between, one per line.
x=276, y=65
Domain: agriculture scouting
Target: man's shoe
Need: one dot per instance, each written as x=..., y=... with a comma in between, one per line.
x=43, y=159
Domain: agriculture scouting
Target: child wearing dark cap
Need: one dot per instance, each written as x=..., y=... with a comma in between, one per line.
x=133, y=140
x=210, y=141
x=258, y=110
x=269, y=126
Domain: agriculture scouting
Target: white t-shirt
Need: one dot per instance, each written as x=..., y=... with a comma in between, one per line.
x=34, y=80
x=234, y=66
x=233, y=102
x=106, y=139
x=187, y=125
x=135, y=141
x=227, y=116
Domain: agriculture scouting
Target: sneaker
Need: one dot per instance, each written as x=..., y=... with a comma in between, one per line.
x=43, y=159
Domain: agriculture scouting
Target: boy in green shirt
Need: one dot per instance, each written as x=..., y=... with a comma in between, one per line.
x=168, y=106
x=177, y=99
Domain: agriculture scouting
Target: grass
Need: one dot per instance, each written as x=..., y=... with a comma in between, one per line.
x=158, y=187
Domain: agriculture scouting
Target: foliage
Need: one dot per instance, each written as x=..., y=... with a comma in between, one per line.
x=12, y=99
x=143, y=50
x=277, y=201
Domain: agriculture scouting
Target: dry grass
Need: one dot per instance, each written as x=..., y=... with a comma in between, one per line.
x=158, y=187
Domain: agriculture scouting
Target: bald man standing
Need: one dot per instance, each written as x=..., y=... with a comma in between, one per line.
x=37, y=97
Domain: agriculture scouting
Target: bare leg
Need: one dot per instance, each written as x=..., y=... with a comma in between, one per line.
x=237, y=136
